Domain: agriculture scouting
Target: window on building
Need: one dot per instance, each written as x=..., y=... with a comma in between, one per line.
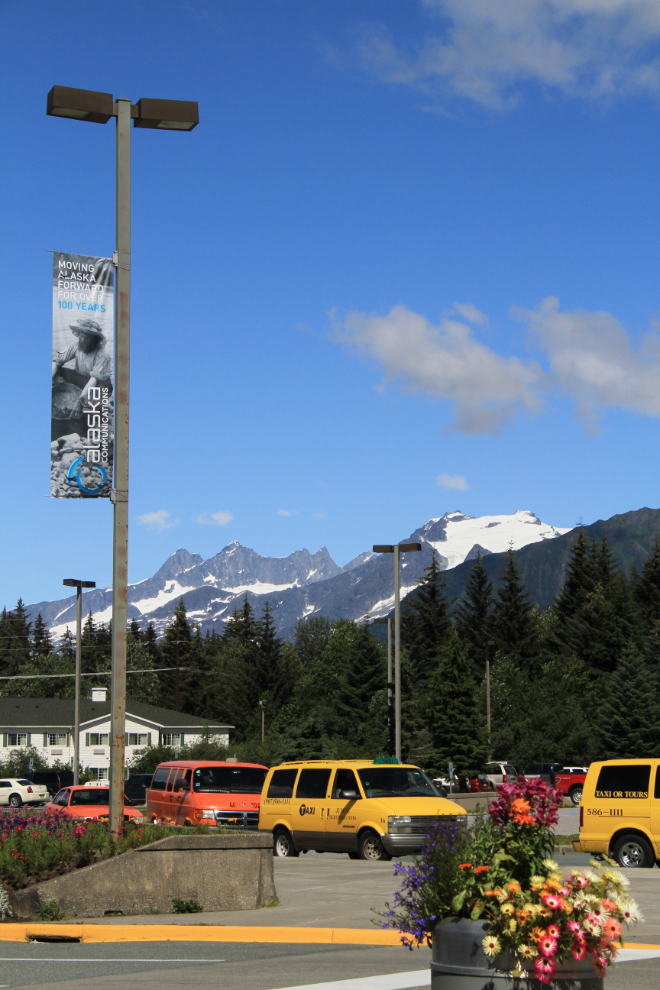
x=171, y=739
x=99, y=773
x=99, y=739
x=17, y=738
x=57, y=738
x=136, y=739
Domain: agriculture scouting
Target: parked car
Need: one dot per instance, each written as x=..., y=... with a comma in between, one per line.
x=81, y=801
x=16, y=791
x=501, y=772
x=136, y=787
x=54, y=780
x=571, y=781
x=546, y=771
x=213, y=792
x=480, y=783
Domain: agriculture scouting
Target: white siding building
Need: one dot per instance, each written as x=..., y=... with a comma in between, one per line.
x=48, y=725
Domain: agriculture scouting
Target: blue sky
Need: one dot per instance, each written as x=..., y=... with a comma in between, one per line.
x=338, y=317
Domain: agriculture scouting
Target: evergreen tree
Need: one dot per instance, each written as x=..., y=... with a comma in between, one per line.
x=474, y=615
x=15, y=646
x=361, y=699
x=41, y=639
x=425, y=622
x=646, y=587
x=143, y=686
x=457, y=722
x=311, y=638
x=134, y=631
x=630, y=717
x=96, y=651
x=176, y=650
x=580, y=580
x=515, y=629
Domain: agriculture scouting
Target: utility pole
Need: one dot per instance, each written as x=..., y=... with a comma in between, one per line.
x=262, y=705
x=488, y=644
x=390, y=686
x=397, y=549
x=78, y=585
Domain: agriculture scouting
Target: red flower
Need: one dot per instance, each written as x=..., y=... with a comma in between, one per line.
x=481, y=869
x=465, y=866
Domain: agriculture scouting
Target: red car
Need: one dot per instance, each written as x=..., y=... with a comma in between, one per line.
x=88, y=802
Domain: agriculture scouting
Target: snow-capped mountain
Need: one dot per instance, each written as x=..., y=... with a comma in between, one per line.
x=301, y=584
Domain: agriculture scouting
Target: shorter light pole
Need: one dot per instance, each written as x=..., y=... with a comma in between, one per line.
x=390, y=721
x=78, y=585
x=397, y=549
x=262, y=705
x=487, y=644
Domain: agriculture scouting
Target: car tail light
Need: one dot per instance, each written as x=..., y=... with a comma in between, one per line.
x=504, y=778
x=29, y=790
x=581, y=816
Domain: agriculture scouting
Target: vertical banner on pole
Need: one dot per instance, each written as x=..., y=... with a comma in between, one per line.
x=82, y=417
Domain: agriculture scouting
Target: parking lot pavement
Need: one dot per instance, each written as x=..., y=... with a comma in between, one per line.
x=204, y=966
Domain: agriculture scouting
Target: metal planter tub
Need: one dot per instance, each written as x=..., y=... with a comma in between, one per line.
x=460, y=963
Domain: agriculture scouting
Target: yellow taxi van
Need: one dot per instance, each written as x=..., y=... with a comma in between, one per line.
x=620, y=812
x=368, y=810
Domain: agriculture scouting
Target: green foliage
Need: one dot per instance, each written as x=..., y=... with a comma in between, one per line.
x=473, y=614
x=630, y=716
x=457, y=724
x=186, y=907
x=514, y=627
x=50, y=911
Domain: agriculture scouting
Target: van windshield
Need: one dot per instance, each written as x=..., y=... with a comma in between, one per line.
x=229, y=780
x=383, y=781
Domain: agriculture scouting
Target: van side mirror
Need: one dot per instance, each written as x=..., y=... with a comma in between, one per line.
x=348, y=795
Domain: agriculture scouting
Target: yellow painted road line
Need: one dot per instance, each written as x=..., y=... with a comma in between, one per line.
x=199, y=933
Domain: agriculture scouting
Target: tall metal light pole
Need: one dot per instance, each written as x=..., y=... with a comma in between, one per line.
x=397, y=550
x=390, y=720
x=78, y=585
x=171, y=115
x=262, y=705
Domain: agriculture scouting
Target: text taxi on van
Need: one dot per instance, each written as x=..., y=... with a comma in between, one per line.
x=190, y=792
x=370, y=811
x=620, y=812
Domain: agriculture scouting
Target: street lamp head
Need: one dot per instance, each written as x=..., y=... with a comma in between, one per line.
x=72, y=583
x=167, y=115
x=80, y=104
x=409, y=547
x=384, y=548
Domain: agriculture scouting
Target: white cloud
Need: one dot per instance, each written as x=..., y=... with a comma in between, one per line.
x=592, y=359
x=446, y=362
x=158, y=521
x=287, y=512
x=469, y=313
x=452, y=481
x=319, y=515
x=215, y=519
x=483, y=50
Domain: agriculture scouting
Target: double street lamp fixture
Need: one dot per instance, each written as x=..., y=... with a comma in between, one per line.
x=167, y=115
x=78, y=585
x=397, y=550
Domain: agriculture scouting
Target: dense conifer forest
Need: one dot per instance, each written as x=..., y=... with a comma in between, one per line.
x=576, y=681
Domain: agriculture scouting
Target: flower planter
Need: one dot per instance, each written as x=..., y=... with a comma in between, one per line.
x=460, y=963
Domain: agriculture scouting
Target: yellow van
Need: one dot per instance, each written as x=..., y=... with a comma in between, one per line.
x=370, y=811
x=620, y=812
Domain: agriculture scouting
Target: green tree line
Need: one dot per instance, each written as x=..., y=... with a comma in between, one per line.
x=577, y=681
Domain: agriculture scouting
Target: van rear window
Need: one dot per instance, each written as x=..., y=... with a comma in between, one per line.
x=160, y=779
x=625, y=781
x=281, y=784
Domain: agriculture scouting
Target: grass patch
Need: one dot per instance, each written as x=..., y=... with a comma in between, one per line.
x=566, y=840
x=50, y=911
x=271, y=902
x=186, y=907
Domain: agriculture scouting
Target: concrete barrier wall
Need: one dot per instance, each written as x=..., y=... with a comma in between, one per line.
x=221, y=872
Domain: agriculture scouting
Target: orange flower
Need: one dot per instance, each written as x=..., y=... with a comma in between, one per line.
x=465, y=866
x=520, y=806
x=514, y=887
x=481, y=869
x=566, y=906
x=553, y=884
x=492, y=893
x=537, y=934
x=524, y=820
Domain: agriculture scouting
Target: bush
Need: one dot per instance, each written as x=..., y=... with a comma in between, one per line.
x=50, y=911
x=186, y=907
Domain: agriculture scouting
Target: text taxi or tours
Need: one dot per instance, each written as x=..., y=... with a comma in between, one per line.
x=370, y=811
x=620, y=811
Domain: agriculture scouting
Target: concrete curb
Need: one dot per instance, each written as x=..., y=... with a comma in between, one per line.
x=197, y=933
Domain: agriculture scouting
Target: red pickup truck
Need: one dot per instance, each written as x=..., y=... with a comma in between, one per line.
x=568, y=780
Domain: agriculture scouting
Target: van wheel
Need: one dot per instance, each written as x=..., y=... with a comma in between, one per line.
x=283, y=844
x=15, y=800
x=370, y=847
x=575, y=794
x=633, y=851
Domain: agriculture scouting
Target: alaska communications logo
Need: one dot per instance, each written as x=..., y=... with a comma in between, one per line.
x=74, y=475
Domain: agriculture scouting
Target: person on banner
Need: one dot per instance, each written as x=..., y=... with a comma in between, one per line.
x=93, y=364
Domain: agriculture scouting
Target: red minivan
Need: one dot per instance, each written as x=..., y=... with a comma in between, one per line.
x=194, y=792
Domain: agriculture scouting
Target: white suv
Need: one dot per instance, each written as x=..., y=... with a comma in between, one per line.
x=501, y=772
x=16, y=791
